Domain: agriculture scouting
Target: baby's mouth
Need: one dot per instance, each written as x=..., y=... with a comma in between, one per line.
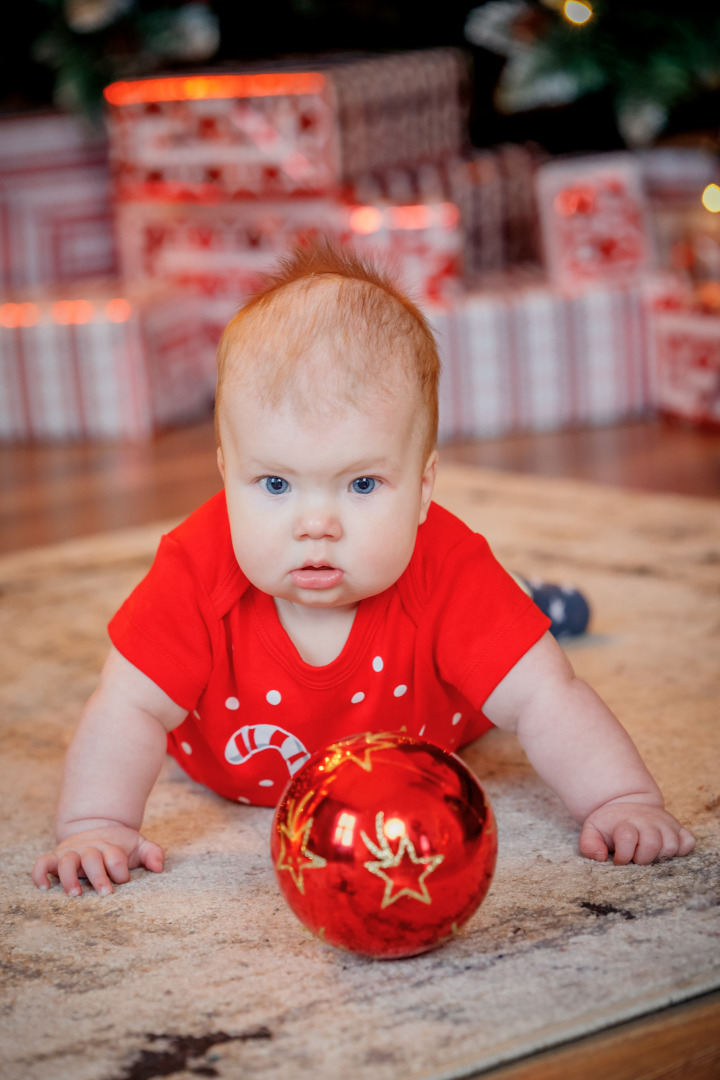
x=316, y=577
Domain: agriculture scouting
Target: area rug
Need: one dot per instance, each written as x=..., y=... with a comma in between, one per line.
x=203, y=970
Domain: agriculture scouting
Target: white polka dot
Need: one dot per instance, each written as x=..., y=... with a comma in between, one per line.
x=274, y=697
x=400, y=690
x=357, y=697
x=378, y=663
x=243, y=799
x=232, y=703
x=422, y=731
x=457, y=718
x=186, y=747
x=266, y=783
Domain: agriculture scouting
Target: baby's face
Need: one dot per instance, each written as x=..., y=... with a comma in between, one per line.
x=324, y=509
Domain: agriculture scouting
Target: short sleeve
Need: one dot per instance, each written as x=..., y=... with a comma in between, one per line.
x=165, y=627
x=485, y=623
x=473, y=620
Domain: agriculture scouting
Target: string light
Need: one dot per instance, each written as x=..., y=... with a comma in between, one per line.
x=711, y=198
x=369, y=219
x=365, y=219
x=118, y=310
x=199, y=87
x=577, y=11
x=12, y=315
x=64, y=312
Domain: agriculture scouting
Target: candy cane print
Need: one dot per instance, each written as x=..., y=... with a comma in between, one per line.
x=252, y=738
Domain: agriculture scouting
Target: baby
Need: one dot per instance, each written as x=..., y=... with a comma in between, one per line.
x=323, y=593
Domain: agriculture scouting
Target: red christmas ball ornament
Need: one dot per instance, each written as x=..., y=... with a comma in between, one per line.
x=384, y=844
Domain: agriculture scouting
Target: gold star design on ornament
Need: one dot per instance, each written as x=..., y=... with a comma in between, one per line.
x=295, y=857
x=405, y=860
x=454, y=931
x=379, y=740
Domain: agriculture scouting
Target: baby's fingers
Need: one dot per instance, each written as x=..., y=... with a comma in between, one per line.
x=591, y=843
x=635, y=845
x=686, y=842
x=151, y=856
x=101, y=868
x=68, y=868
x=44, y=866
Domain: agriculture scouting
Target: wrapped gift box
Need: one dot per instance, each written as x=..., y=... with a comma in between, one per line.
x=101, y=361
x=495, y=191
x=420, y=243
x=221, y=251
x=281, y=131
x=217, y=251
x=524, y=356
x=55, y=210
x=686, y=364
x=593, y=219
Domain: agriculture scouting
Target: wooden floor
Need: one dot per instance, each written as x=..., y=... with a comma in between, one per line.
x=54, y=493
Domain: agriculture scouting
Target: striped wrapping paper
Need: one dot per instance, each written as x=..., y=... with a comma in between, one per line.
x=101, y=361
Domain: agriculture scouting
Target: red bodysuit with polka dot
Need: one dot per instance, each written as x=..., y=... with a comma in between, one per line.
x=422, y=657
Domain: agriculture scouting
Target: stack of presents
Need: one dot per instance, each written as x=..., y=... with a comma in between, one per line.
x=121, y=259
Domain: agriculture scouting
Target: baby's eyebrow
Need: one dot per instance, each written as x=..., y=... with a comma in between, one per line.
x=386, y=470
x=369, y=465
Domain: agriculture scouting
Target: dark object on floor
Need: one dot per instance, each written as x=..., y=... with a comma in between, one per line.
x=564, y=605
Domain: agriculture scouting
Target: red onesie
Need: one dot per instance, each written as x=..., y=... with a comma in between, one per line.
x=422, y=657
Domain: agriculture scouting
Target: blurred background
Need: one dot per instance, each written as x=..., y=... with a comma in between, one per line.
x=542, y=175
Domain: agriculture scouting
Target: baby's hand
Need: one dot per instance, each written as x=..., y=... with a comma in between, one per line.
x=102, y=855
x=636, y=831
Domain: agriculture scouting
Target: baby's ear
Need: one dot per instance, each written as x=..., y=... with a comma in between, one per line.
x=428, y=483
x=221, y=462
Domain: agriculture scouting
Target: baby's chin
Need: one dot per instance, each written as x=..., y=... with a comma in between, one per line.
x=335, y=599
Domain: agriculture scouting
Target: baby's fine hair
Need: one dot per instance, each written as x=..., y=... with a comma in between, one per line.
x=325, y=296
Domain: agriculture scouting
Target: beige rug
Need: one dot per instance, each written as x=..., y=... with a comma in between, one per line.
x=204, y=971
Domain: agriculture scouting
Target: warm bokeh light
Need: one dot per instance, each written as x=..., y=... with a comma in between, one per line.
x=369, y=219
x=118, y=310
x=198, y=87
x=84, y=311
x=365, y=219
x=72, y=311
x=410, y=217
x=12, y=315
x=576, y=11
x=394, y=828
x=711, y=198
x=9, y=315
x=63, y=312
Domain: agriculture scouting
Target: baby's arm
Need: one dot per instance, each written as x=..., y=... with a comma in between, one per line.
x=579, y=748
x=111, y=766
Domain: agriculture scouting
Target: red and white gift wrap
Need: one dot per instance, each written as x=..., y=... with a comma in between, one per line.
x=276, y=132
x=221, y=250
x=103, y=361
x=494, y=191
x=686, y=365
x=55, y=202
x=593, y=218
x=421, y=243
x=218, y=251
x=527, y=357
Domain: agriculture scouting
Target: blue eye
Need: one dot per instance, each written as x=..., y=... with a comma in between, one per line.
x=275, y=485
x=363, y=485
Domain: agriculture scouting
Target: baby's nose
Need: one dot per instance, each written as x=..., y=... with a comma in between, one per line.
x=316, y=521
